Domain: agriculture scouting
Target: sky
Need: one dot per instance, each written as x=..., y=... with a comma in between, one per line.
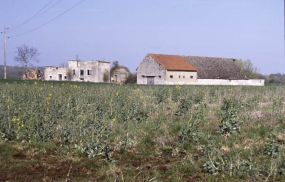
x=127, y=30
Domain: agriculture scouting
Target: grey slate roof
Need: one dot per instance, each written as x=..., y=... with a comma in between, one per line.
x=215, y=68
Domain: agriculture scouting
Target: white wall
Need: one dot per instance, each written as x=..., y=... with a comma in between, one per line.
x=51, y=73
x=98, y=68
x=181, y=76
x=255, y=82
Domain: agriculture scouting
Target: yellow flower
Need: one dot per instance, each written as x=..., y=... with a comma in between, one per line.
x=19, y=127
x=14, y=119
x=138, y=89
x=22, y=125
x=113, y=120
x=50, y=95
x=120, y=83
x=51, y=86
x=48, y=103
x=41, y=88
x=117, y=94
x=18, y=119
x=36, y=83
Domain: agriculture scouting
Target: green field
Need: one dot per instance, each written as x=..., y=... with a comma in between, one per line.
x=107, y=132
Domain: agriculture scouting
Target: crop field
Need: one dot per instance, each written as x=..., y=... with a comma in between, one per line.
x=69, y=131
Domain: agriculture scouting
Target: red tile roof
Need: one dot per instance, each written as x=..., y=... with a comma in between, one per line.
x=173, y=62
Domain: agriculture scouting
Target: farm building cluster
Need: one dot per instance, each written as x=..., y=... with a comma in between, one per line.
x=157, y=69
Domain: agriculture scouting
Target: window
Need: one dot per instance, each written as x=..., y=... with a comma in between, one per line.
x=191, y=76
x=179, y=76
x=81, y=72
x=50, y=77
x=171, y=76
x=65, y=77
x=73, y=72
x=159, y=76
x=183, y=76
x=89, y=72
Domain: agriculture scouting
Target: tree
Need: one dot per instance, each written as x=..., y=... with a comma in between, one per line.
x=248, y=69
x=25, y=55
x=132, y=78
x=115, y=65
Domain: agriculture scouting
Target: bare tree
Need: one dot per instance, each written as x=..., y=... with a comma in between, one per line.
x=25, y=55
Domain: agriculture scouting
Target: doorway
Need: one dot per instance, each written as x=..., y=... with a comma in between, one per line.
x=150, y=80
x=59, y=77
x=81, y=75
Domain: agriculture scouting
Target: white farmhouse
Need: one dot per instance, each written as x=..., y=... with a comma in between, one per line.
x=91, y=71
x=191, y=70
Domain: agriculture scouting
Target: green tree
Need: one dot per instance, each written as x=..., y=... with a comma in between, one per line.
x=248, y=69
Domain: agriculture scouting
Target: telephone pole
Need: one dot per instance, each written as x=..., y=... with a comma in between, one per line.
x=4, y=52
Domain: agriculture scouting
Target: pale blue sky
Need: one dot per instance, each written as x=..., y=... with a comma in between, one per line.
x=126, y=30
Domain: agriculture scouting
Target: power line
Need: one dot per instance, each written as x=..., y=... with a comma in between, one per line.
x=36, y=15
x=49, y=21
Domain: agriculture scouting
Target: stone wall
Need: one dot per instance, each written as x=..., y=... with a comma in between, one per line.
x=120, y=75
x=149, y=67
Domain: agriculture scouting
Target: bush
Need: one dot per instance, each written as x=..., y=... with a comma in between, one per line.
x=132, y=78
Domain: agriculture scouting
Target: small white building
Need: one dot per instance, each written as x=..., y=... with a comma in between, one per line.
x=91, y=71
x=191, y=70
x=55, y=73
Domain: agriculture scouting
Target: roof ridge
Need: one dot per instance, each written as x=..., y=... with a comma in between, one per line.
x=206, y=57
x=190, y=56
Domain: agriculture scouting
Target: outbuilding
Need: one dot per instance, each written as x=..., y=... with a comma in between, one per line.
x=191, y=70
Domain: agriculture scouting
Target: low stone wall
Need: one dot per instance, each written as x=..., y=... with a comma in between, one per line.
x=253, y=82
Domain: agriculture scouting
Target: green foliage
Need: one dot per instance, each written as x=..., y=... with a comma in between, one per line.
x=230, y=121
x=184, y=106
x=248, y=69
x=271, y=147
x=171, y=129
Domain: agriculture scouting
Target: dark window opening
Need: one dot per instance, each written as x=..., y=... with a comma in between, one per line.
x=171, y=76
x=159, y=76
x=183, y=76
x=73, y=72
x=65, y=77
x=179, y=76
x=50, y=76
x=81, y=72
x=89, y=72
x=191, y=76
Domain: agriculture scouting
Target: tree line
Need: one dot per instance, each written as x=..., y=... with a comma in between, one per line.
x=252, y=72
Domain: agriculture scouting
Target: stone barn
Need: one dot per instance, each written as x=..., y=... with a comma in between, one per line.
x=165, y=69
x=191, y=70
x=119, y=74
x=90, y=71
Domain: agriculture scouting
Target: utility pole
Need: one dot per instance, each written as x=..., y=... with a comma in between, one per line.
x=5, y=69
x=4, y=52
